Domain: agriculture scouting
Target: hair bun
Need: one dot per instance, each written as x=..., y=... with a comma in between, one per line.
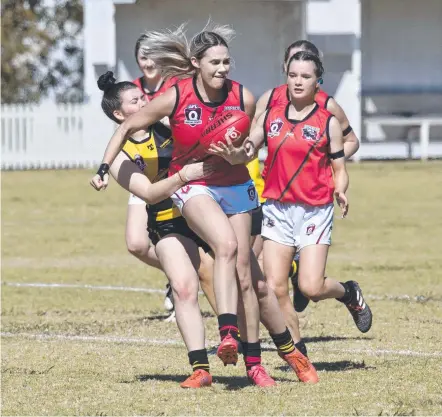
x=106, y=81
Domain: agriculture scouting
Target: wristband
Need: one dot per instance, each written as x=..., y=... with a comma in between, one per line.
x=103, y=170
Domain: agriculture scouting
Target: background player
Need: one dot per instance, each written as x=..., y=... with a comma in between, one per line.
x=303, y=140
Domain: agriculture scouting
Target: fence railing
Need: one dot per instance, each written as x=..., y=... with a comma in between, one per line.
x=52, y=136
x=75, y=135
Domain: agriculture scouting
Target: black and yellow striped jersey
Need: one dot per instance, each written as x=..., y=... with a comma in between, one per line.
x=153, y=155
x=255, y=174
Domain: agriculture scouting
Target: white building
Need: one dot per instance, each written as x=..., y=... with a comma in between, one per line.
x=381, y=56
x=383, y=61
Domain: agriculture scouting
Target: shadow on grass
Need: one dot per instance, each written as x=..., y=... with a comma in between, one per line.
x=316, y=339
x=231, y=383
x=162, y=317
x=340, y=366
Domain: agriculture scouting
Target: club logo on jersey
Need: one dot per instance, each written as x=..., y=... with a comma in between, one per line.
x=251, y=191
x=270, y=222
x=310, y=229
x=139, y=161
x=193, y=114
x=310, y=133
x=275, y=128
x=185, y=189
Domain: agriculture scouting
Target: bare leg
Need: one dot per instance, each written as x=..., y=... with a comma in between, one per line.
x=311, y=279
x=277, y=261
x=137, y=237
x=257, y=246
x=270, y=312
x=180, y=258
x=242, y=224
x=202, y=213
x=205, y=273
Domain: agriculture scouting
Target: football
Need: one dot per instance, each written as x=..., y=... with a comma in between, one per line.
x=234, y=124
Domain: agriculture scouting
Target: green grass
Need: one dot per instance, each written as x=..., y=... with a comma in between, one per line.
x=56, y=229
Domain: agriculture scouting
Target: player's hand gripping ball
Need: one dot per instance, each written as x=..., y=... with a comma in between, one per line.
x=231, y=124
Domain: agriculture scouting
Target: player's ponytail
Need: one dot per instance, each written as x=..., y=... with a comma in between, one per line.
x=111, y=100
x=169, y=50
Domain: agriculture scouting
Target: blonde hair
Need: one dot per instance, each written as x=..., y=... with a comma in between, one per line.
x=172, y=52
x=169, y=50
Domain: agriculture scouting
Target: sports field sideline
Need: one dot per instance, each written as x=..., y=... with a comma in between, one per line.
x=82, y=321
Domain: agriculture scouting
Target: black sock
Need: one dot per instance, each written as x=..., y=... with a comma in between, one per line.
x=346, y=299
x=301, y=347
x=228, y=323
x=252, y=354
x=198, y=359
x=283, y=341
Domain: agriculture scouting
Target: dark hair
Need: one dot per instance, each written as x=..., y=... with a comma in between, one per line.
x=111, y=100
x=140, y=40
x=203, y=41
x=303, y=45
x=308, y=56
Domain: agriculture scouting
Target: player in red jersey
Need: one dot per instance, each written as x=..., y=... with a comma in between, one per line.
x=280, y=95
x=224, y=199
x=306, y=169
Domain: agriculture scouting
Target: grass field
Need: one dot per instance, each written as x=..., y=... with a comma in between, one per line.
x=97, y=351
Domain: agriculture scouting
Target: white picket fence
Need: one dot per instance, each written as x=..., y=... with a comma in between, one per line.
x=52, y=136
x=75, y=135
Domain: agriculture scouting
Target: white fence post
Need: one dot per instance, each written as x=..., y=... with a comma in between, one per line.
x=425, y=140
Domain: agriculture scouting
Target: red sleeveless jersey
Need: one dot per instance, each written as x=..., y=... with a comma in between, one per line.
x=188, y=121
x=298, y=166
x=165, y=85
x=280, y=96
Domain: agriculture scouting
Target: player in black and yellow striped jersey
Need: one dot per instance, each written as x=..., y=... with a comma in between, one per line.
x=144, y=161
x=256, y=240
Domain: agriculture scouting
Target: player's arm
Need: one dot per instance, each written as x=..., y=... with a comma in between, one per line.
x=153, y=112
x=351, y=141
x=337, y=158
x=249, y=103
x=248, y=150
x=130, y=177
x=261, y=107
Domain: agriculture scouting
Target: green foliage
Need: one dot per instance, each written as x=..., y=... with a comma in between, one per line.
x=41, y=53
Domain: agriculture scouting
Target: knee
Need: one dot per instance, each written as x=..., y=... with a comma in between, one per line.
x=312, y=288
x=226, y=250
x=136, y=246
x=262, y=289
x=185, y=291
x=278, y=286
x=245, y=283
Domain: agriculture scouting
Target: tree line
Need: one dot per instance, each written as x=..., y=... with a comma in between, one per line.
x=41, y=50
